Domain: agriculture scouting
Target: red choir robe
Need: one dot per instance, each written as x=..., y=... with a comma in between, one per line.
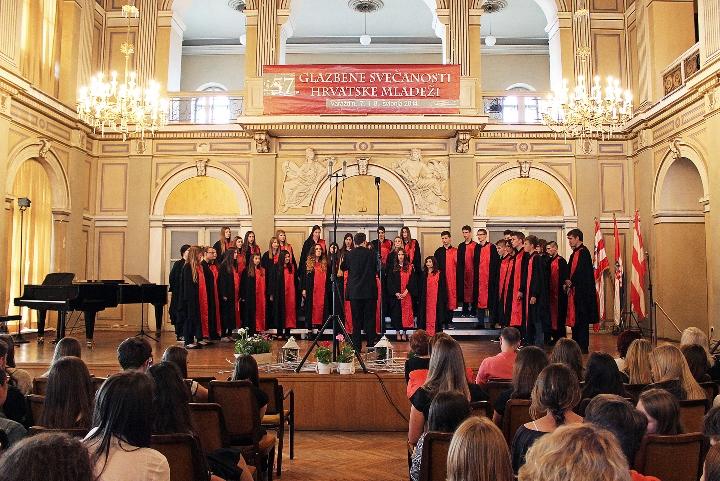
x=582, y=306
x=558, y=299
x=216, y=273
x=378, y=320
x=346, y=305
x=447, y=264
x=290, y=292
x=467, y=263
x=317, y=289
x=503, y=309
x=260, y=296
x=412, y=250
x=401, y=311
x=385, y=249
x=432, y=302
x=284, y=304
x=203, y=302
x=488, y=273
x=517, y=314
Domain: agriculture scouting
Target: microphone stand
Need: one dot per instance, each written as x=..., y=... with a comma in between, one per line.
x=653, y=313
x=379, y=260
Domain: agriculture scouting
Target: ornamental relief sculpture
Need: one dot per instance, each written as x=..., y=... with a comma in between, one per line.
x=427, y=180
x=300, y=181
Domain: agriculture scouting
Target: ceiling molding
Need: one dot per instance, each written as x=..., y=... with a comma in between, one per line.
x=516, y=50
x=213, y=50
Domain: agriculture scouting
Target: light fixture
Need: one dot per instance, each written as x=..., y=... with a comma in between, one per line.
x=365, y=39
x=129, y=108
x=490, y=39
x=243, y=39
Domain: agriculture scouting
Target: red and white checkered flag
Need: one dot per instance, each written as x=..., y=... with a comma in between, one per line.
x=617, y=309
x=600, y=265
x=639, y=264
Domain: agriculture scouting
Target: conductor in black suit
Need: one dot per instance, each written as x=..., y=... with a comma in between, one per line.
x=361, y=264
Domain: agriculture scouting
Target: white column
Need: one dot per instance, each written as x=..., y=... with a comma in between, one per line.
x=709, y=23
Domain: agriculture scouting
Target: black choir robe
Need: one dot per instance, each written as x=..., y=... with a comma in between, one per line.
x=460, y=282
x=175, y=280
x=248, y=252
x=415, y=257
x=557, y=299
x=218, y=246
x=535, y=285
x=440, y=302
x=392, y=287
x=269, y=262
x=278, y=290
x=583, y=295
x=226, y=289
x=189, y=304
x=490, y=290
x=308, y=285
x=516, y=312
x=213, y=321
x=248, y=302
x=505, y=287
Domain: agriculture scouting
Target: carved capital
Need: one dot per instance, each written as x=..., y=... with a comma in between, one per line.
x=45, y=146
x=201, y=166
x=262, y=142
x=462, y=142
x=363, y=163
x=586, y=146
x=139, y=147
x=525, y=166
x=675, y=147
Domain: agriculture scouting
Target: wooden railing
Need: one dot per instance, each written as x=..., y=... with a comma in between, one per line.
x=681, y=69
x=515, y=107
x=204, y=107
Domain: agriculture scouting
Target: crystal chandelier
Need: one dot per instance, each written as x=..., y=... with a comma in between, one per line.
x=587, y=111
x=128, y=107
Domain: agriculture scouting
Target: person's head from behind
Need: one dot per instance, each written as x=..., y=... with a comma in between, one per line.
x=177, y=355
x=69, y=397
x=556, y=392
x=359, y=239
x=478, y=452
x=711, y=425
x=3, y=354
x=123, y=410
x=134, y=353
x=602, y=376
x=446, y=371
x=694, y=335
x=567, y=351
x=637, y=362
x=4, y=385
x=667, y=363
x=529, y=363
x=67, y=346
x=420, y=343
x=47, y=457
x=447, y=410
x=577, y=452
x=662, y=411
x=697, y=361
x=170, y=399
x=509, y=339
x=246, y=369
x=10, y=358
x=624, y=340
x=620, y=417
x=711, y=466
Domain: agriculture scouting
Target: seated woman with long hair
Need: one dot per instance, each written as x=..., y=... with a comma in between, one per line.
x=566, y=351
x=67, y=346
x=555, y=395
x=662, y=411
x=530, y=361
x=47, y=457
x=119, y=442
x=246, y=369
x=637, y=362
x=670, y=371
x=446, y=373
x=602, y=376
x=69, y=397
x=178, y=355
x=697, y=360
x=478, y=452
x=694, y=335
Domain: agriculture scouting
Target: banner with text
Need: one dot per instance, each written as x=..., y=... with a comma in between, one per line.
x=361, y=89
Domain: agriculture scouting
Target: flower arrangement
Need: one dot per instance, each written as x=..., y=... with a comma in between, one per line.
x=345, y=350
x=323, y=353
x=255, y=344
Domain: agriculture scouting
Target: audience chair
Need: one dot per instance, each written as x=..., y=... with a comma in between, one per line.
x=634, y=391
x=692, y=413
x=39, y=385
x=184, y=456
x=72, y=432
x=582, y=407
x=209, y=426
x=242, y=422
x=204, y=381
x=670, y=458
x=711, y=389
x=433, y=465
x=35, y=404
x=276, y=416
x=481, y=408
x=517, y=413
x=496, y=386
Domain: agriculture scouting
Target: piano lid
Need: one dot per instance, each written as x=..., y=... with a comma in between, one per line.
x=137, y=279
x=58, y=279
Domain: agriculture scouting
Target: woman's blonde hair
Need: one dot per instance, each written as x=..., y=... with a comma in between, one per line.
x=693, y=335
x=478, y=452
x=637, y=362
x=667, y=363
x=446, y=371
x=577, y=452
x=192, y=260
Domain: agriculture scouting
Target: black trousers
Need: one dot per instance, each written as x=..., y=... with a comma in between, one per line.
x=363, y=314
x=581, y=335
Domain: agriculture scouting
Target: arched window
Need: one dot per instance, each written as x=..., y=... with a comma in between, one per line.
x=213, y=107
x=521, y=106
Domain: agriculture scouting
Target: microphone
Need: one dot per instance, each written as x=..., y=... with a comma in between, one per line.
x=344, y=168
x=377, y=181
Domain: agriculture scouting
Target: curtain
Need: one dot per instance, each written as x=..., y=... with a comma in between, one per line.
x=40, y=43
x=32, y=182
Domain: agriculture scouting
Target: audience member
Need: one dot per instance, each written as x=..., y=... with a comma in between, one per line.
x=637, y=362
x=662, y=411
x=670, y=371
x=693, y=335
x=122, y=428
x=69, y=396
x=711, y=425
x=135, y=354
x=178, y=355
x=170, y=400
x=624, y=339
x=18, y=377
x=67, y=346
x=580, y=452
x=602, y=376
x=47, y=457
x=246, y=369
x=555, y=395
x=447, y=411
x=478, y=452
x=12, y=430
x=711, y=466
x=418, y=361
x=500, y=366
x=446, y=373
x=626, y=423
x=697, y=360
x=530, y=361
x=566, y=351
x=14, y=407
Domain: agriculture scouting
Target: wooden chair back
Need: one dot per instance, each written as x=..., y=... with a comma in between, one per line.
x=239, y=408
x=711, y=389
x=496, y=386
x=204, y=381
x=39, y=385
x=692, y=414
x=481, y=408
x=209, y=425
x=98, y=382
x=634, y=391
x=670, y=458
x=517, y=413
x=273, y=390
x=183, y=454
x=72, y=432
x=36, y=405
x=433, y=464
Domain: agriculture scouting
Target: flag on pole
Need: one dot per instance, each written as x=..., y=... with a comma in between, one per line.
x=618, y=273
x=600, y=265
x=637, y=280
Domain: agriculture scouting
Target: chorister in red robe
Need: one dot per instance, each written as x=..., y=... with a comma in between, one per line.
x=204, y=302
x=316, y=288
x=284, y=292
x=488, y=273
x=535, y=297
x=216, y=272
x=468, y=258
x=346, y=305
x=582, y=302
x=517, y=311
x=433, y=300
x=558, y=273
x=504, y=307
x=400, y=279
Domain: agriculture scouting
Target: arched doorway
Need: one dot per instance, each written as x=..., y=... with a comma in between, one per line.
x=679, y=238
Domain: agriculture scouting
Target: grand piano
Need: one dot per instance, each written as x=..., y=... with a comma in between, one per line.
x=60, y=293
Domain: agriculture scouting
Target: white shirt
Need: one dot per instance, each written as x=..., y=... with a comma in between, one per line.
x=129, y=463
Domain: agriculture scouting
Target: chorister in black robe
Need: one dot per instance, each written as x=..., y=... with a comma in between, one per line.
x=557, y=274
x=414, y=254
x=213, y=321
x=253, y=313
x=535, y=286
x=175, y=281
x=228, y=289
x=467, y=292
x=283, y=293
x=269, y=263
x=428, y=293
x=505, y=289
x=315, y=314
x=488, y=271
x=584, y=308
x=189, y=301
x=401, y=312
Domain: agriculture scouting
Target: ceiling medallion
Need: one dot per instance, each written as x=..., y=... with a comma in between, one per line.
x=492, y=6
x=366, y=6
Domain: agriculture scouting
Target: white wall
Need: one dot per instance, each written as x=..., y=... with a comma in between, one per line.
x=501, y=71
x=362, y=58
x=228, y=70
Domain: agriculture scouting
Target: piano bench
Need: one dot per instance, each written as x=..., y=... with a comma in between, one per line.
x=5, y=319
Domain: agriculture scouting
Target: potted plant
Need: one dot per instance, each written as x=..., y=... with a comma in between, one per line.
x=345, y=356
x=323, y=353
x=256, y=346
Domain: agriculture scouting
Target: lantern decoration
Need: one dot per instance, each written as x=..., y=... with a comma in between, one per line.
x=384, y=350
x=290, y=352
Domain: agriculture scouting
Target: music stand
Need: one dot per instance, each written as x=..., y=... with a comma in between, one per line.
x=141, y=282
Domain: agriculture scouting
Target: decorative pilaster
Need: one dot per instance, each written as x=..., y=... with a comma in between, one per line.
x=266, y=35
x=709, y=19
x=645, y=69
x=10, y=18
x=458, y=45
x=145, y=47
